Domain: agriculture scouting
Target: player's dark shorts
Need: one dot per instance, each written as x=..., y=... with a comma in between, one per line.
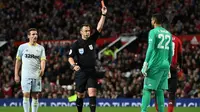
x=172, y=82
x=85, y=79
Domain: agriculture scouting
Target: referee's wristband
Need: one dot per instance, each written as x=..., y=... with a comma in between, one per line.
x=72, y=66
x=103, y=14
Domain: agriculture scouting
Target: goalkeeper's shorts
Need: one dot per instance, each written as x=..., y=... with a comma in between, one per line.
x=156, y=79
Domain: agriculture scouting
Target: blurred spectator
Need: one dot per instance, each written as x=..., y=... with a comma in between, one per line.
x=7, y=91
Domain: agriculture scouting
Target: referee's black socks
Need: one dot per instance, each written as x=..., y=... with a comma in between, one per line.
x=79, y=104
x=93, y=103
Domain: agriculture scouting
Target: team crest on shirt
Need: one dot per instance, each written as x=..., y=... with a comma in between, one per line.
x=37, y=50
x=81, y=50
x=91, y=47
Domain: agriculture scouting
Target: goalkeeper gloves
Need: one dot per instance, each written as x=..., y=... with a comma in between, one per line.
x=144, y=69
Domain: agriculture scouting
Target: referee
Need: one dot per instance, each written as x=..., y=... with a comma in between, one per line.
x=82, y=57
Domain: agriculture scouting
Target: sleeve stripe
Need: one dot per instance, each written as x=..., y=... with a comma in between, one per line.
x=43, y=58
x=18, y=58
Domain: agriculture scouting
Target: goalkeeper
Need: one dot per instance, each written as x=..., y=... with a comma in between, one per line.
x=157, y=63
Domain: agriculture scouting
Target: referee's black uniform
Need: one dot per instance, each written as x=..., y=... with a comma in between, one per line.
x=84, y=54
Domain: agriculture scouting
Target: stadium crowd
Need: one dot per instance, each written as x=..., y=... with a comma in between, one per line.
x=59, y=19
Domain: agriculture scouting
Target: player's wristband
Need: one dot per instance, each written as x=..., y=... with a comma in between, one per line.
x=103, y=14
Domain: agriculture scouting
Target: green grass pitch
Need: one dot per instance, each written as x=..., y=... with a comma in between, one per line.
x=99, y=109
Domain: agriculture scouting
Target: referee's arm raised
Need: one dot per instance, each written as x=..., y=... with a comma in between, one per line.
x=102, y=19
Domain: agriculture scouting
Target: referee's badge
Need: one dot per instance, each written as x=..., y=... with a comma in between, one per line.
x=81, y=50
x=70, y=51
x=91, y=47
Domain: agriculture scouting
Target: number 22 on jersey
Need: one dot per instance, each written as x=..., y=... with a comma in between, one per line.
x=164, y=42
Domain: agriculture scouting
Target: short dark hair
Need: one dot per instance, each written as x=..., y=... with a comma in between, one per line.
x=31, y=29
x=158, y=18
x=87, y=25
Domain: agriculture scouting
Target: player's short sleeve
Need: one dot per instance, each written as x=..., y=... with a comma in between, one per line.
x=73, y=50
x=43, y=55
x=151, y=39
x=19, y=53
x=151, y=45
x=95, y=36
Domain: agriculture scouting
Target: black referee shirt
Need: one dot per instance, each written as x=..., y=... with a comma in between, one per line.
x=84, y=51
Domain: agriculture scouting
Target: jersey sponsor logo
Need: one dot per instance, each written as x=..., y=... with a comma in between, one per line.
x=91, y=47
x=31, y=56
x=81, y=50
x=70, y=52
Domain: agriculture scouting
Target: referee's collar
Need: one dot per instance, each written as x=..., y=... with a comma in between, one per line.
x=83, y=39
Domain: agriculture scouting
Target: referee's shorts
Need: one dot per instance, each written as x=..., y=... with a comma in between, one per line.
x=85, y=79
